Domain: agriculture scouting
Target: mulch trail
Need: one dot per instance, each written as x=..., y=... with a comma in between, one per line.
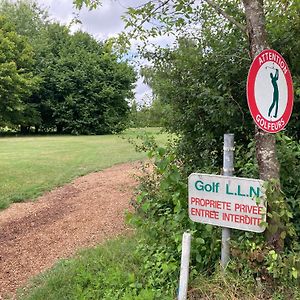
x=83, y=213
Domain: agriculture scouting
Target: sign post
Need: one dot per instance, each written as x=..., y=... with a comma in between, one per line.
x=184, y=267
x=228, y=170
x=270, y=91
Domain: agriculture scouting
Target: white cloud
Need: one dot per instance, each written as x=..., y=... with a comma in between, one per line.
x=103, y=22
x=143, y=92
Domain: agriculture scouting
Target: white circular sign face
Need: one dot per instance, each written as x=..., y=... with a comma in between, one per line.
x=270, y=83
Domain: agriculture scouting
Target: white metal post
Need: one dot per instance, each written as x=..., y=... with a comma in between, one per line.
x=184, y=268
x=228, y=170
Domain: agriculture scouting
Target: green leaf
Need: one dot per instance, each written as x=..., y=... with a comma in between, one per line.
x=145, y=206
x=283, y=235
x=294, y=273
x=198, y=258
x=200, y=241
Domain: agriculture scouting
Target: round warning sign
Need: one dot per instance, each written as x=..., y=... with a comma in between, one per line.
x=270, y=91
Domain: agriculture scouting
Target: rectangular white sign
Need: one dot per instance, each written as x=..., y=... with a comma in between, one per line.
x=225, y=201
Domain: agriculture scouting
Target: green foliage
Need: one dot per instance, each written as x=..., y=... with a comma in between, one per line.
x=28, y=18
x=84, y=86
x=206, y=92
x=288, y=151
x=148, y=116
x=161, y=214
x=91, y=4
x=279, y=214
x=29, y=21
x=253, y=258
x=289, y=157
x=284, y=267
x=17, y=81
x=245, y=164
x=89, y=87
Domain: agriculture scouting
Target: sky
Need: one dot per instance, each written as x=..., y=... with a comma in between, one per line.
x=102, y=23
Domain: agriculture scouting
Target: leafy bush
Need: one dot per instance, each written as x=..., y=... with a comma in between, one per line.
x=161, y=214
x=289, y=157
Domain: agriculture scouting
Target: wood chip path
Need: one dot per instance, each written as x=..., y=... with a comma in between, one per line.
x=83, y=213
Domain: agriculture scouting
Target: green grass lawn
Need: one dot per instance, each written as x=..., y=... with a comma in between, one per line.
x=30, y=166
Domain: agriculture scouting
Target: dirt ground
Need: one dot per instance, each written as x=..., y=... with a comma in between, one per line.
x=87, y=211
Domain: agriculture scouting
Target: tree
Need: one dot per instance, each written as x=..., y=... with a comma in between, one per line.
x=28, y=18
x=29, y=22
x=17, y=81
x=155, y=115
x=168, y=15
x=206, y=94
x=90, y=87
x=84, y=86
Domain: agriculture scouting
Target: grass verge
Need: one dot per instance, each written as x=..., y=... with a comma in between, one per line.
x=30, y=166
x=233, y=286
x=108, y=272
x=115, y=271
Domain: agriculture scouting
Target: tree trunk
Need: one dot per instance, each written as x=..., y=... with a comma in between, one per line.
x=265, y=142
x=59, y=129
x=24, y=129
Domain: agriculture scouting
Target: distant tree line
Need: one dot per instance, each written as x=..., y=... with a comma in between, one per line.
x=52, y=80
x=154, y=115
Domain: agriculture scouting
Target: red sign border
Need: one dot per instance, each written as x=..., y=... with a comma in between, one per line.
x=254, y=68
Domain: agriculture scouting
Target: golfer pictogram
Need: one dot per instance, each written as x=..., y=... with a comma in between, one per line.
x=274, y=79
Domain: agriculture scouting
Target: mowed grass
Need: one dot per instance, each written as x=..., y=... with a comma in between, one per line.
x=30, y=166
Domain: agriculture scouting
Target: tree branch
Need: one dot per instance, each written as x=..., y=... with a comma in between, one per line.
x=154, y=11
x=220, y=11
